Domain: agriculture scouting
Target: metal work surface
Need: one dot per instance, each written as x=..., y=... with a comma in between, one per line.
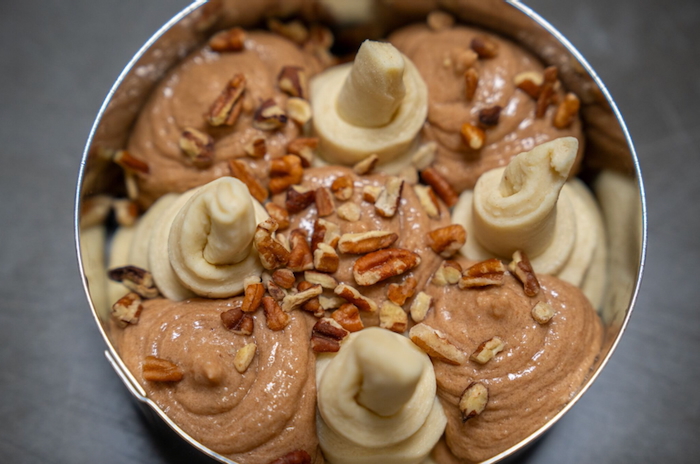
x=61, y=401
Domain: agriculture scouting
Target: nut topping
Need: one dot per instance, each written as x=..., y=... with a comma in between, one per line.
x=530, y=82
x=446, y=241
x=471, y=82
x=300, y=258
x=424, y=156
x=490, y=116
x=327, y=335
x=284, y=278
x=284, y=172
x=130, y=163
x=443, y=190
x=275, y=291
x=294, y=457
x=304, y=148
x=482, y=274
x=227, y=106
x=127, y=309
x=126, y=212
x=299, y=111
x=439, y=20
x=275, y=318
x=370, y=193
x=383, y=264
x=325, y=232
x=473, y=400
x=487, y=350
x=295, y=300
x=544, y=99
x=237, y=321
x=160, y=370
x=473, y=136
x=399, y=293
x=313, y=305
x=448, y=274
x=244, y=357
x=135, y=279
x=366, y=242
x=325, y=258
x=293, y=30
x=232, y=40
x=241, y=171
x=348, y=316
x=324, y=202
x=253, y=296
x=366, y=165
x=299, y=199
x=199, y=146
x=256, y=148
x=435, y=344
x=566, y=111
x=420, y=306
x=484, y=47
x=352, y=295
x=292, y=80
x=343, y=188
x=392, y=317
x=350, y=212
x=319, y=278
x=521, y=267
x=272, y=253
x=542, y=312
x=269, y=116
x=330, y=302
x=279, y=214
x=428, y=200
x=388, y=201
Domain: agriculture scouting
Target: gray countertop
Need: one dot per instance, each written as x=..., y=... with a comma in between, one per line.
x=60, y=402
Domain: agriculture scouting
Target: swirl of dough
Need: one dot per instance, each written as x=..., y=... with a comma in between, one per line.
x=210, y=245
x=376, y=401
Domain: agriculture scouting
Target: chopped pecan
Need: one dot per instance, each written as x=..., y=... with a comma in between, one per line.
x=324, y=202
x=390, y=197
x=383, y=264
x=521, y=267
x=325, y=258
x=529, y=82
x=330, y=302
x=462, y=59
x=393, y=317
x=294, y=300
x=94, y=210
x=444, y=190
x=370, y=193
x=275, y=318
x=436, y=344
x=199, y=146
x=325, y=232
x=343, y=188
x=546, y=95
x=237, y=321
x=232, y=40
x=348, y=316
x=446, y=241
x=299, y=111
x=127, y=309
x=298, y=199
x=471, y=82
x=279, y=214
x=292, y=80
x=227, y=106
x=126, y=211
x=487, y=350
x=284, y=172
x=327, y=335
x=256, y=148
x=566, y=111
x=293, y=30
x=473, y=136
x=424, y=156
x=160, y=370
x=135, y=279
x=449, y=273
x=312, y=305
x=272, y=253
x=324, y=280
x=542, y=312
x=130, y=163
x=473, y=400
x=244, y=356
x=420, y=306
x=482, y=274
x=399, y=293
x=131, y=185
x=241, y=171
x=253, y=296
x=366, y=165
x=490, y=116
x=300, y=258
x=439, y=20
x=293, y=457
x=350, y=212
x=428, y=200
x=304, y=148
x=275, y=291
x=284, y=278
x=269, y=116
x=484, y=47
x=352, y=295
x=366, y=242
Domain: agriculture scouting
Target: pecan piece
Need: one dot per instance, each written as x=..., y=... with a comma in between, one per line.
x=324, y=280
x=350, y=212
x=439, y=20
x=370, y=193
x=471, y=82
x=484, y=47
x=244, y=357
x=343, y=188
x=130, y=163
x=272, y=253
x=542, y=312
x=279, y=214
x=352, y=295
x=424, y=156
x=327, y=335
x=292, y=80
x=284, y=172
x=231, y=40
x=275, y=291
x=269, y=116
x=135, y=279
x=126, y=212
x=199, y=146
x=330, y=302
x=348, y=316
x=300, y=258
x=325, y=232
x=294, y=300
x=227, y=106
x=449, y=273
x=446, y=241
x=392, y=317
x=420, y=306
x=436, y=344
x=299, y=111
x=325, y=258
x=428, y=200
x=521, y=267
x=383, y=264
x=256, y=148
x=284, y=278
x=241, y=171
x=275, y=318
x=399, y=293
x=253, y=297
x=313, y=304
x=444, y=190
x=487, y=350
x=566, y=111
x=546, y=95
x=390, y=197
x=529, y=82
x=237, y=321
x=490, y=116
x=127, y=309
x=473, y=400
x=482, y=274
x=366, y=242
x=160, y=370
x=366, y=165
x=304, y=148
x=473, y=136
x=324, y=202
x=299, y=199
x=293, y=30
